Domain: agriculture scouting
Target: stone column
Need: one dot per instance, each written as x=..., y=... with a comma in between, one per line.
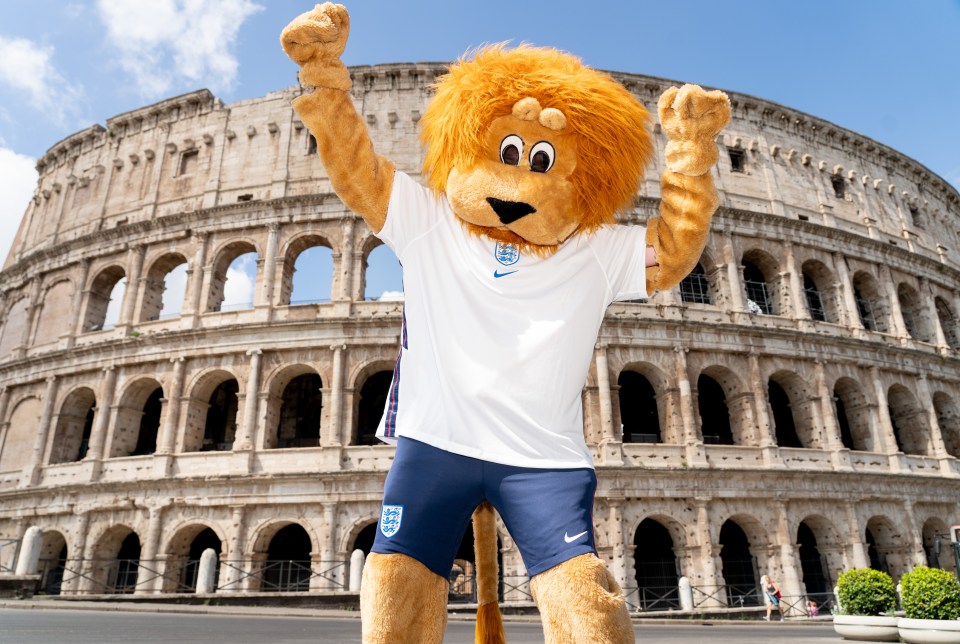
x=936, y=448
x=328, y=547
x=611, y=441
x=346, y=292
x=31, y=474
x=849, y=313
x=733, y=274
x=4, y=421
x=797, y=295
x=896, y=314
x=33, y=310
x=789, y=555
x=766, y=430
x=195, y=279
x=839, y=454
x=166, y=442
x=858, y=548
x=270, y=266
x=101, y=424
x=76, y=306
x=926, y=293
x=76, y=557
x=709, y=557
x=333, y=437
x=248, y=428
x=131, y=294
x=149, y=579
x=888, y=436
x=232, y=564
x=914, y=539
x=691, y=437
x=618, y=568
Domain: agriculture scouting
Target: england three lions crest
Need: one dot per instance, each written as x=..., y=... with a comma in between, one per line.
x=506, y=254
x=390, y=518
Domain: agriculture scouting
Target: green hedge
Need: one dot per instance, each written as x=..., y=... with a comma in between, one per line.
x=865, y=591
x=928, y=593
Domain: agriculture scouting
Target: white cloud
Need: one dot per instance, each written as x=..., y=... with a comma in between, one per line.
x=241, y=277
x=28, y=69
x=18, y=179
x=164, y=44
x=391, y=296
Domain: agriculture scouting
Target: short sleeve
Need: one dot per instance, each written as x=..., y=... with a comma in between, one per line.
x=622, y=252
x=412, y=211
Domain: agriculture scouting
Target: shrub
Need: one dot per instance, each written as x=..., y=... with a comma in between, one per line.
x=928, y=593
x=865, y=591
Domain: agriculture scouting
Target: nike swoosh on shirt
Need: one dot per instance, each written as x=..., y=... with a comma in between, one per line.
x=504, y=274
x=570, y=539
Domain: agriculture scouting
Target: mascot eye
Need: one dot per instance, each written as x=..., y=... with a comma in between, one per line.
x=511, y=149
x=542, y=156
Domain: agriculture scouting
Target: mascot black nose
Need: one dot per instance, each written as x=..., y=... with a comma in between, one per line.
x=510, y=211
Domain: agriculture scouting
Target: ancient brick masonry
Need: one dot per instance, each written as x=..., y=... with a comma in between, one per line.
x=790, y=409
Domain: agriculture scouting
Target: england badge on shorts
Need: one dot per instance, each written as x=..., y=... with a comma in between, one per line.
x=390, y=518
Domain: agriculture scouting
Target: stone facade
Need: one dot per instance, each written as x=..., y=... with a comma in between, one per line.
x=791, y=409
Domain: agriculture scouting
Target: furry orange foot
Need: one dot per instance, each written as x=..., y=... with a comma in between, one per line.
x=580, y=602
x=402, y=601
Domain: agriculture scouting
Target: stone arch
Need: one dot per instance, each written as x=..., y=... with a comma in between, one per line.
x=53, y=560
x=380, y=274
x=284, y=550
x=57, y=301
x=948, y=418
x=359, y=535
x=909, y=421
x=641, y=405
x=183, y=551
x=116, y=560
x=164, y=287
x=763, y=283
x=138, y=418
x=212, y=409
x=914, y=313
x=872, y=306
x=728, y=421
x=657, y=539
x=17, y=448
x=948, y=322
x=696, y=287
x=372, y=385
x=822, y=291
x=14, y=326
x=223, y=260
x=73, y=425
x=854, y=411
x=793, y=410
x=312, y=249
x=816, y=537
x=294, y=407
x=884, y=545
x=739, y=538
x=104, y=297
x=937, y=546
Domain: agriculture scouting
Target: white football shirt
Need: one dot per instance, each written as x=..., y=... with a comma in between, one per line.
x=496, y=344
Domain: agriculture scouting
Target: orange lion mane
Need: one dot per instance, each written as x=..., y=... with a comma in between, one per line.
x=610, y=125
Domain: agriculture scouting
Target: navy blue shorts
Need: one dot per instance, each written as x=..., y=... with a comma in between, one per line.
x=430, y=495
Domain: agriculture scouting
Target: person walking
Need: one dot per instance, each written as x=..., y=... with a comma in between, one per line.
x=771, y=591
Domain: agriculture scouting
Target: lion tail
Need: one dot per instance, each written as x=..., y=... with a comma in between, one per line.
x=489, y=622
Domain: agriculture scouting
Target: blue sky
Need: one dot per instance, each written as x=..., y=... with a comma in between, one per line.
x=888, y=69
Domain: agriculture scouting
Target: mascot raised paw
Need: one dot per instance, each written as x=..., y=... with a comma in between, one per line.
x=511, y=254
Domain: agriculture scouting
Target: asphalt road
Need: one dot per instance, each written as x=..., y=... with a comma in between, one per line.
x=55, y=626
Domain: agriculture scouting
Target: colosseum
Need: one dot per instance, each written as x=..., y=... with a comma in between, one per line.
x=792, y=408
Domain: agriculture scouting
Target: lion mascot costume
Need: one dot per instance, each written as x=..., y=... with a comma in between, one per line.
x=511, y=255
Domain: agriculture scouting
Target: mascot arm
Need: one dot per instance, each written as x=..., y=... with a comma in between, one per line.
x=691, y=118
x=360, y=177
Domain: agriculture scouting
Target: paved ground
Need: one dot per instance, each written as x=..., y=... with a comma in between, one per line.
x=42, y=624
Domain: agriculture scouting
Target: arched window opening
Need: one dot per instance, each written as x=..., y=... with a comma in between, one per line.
x=373, y=399
x=149, y=424
x=738, y=159
x=382, y=275
x=164, y=288
x=839, y=186
x=311, y=276
x=191, y=568
x=53, y=562
x=714, y=414
x=911, y=308
x=846, y=436
x=814, y=301
x=639, y=417
x=300, y=412
x=871, y=305
x=74, y=424
x=104, y=299
x=287, y=567
x=656, y=566
x=695, y=287
x=908, y=421
x=812, y=564
x=221, y=426
x=759, y=293
x=124, y=577
x=739, y=566
x=948, y=418
x=877, y=561
x=786, y=429
x=948, y=323
x=854, y=415
x=234, y=278
x=865, y=310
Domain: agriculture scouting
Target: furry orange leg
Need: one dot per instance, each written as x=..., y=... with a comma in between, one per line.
x=580, y=603
x=402, y=601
